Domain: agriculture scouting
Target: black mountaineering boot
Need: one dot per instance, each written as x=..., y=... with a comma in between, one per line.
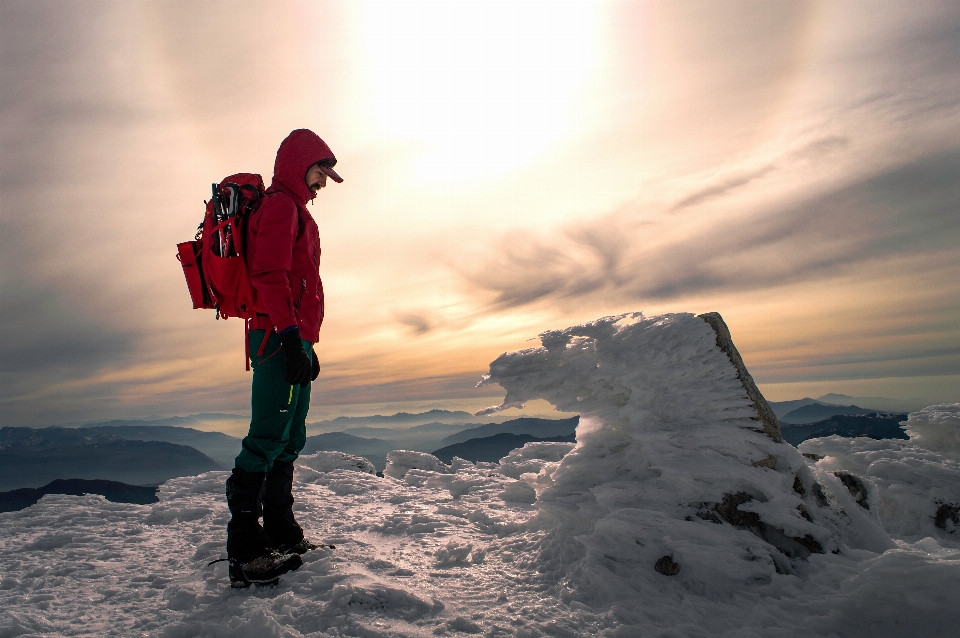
x=282, y=529
x=265, y=570
x=304, y=546
x=252, y=560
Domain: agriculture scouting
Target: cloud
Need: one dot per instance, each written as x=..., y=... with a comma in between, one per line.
x=419, y=323
x=49, y=345
x=723, y=187
x=812, y=151
x=820, y=147
x=877, y=364
x=908, y=210
x=112, y=131
x=343, y=391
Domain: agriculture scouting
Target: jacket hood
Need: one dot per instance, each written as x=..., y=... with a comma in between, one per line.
x=298, y=152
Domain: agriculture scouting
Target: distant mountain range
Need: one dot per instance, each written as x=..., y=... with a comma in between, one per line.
x=235, y=425
x=541, y=428
x=494, y=443
x=809, y=410
x=874, y=426
x=493, y=448
x=342, y=423
x=374, y=450
x=208, y=421
x=32, y=457
x=220, y=447
x=150, y=451
x=174, y=421
x=115, y=491
x=817, y=412
x=418, y=435
x=877, y=404
x=436, y=437
x=782, y=408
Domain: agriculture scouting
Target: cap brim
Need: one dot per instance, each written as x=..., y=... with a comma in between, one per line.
x=332, y=174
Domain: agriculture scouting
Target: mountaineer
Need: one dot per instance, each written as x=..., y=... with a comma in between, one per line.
x=283, y=258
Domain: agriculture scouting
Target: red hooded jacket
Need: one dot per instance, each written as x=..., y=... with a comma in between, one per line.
x=283, y=242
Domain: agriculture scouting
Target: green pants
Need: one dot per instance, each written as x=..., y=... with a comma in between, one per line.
x=279, y=410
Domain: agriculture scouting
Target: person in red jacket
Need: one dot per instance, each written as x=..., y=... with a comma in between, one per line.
x=283, y=258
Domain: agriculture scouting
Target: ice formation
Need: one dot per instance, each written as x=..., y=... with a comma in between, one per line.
x=677, y=513
x=936, y=428
x=677, y=458
x=533, y=457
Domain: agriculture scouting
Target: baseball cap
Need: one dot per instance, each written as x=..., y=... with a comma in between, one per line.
x=326, y=165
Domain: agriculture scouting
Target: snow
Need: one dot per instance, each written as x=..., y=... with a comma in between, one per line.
x=906, y=484
x=556, y=539
x=329, y=461
x=399, y=462
x=936, y=428
x=533, y=457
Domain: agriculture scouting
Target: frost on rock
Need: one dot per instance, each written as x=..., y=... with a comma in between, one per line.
x=678, y=456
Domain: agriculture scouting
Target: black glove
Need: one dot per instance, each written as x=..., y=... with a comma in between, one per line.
x=299, y=366
x=316, y=365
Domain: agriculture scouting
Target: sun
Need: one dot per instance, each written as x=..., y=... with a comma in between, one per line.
x=478, y=89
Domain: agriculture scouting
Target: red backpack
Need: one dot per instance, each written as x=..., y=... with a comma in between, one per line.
x=214, y=263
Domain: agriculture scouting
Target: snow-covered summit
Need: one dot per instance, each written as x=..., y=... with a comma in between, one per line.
x=677, y=512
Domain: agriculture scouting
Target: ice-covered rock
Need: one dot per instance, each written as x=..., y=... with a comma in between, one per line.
x=678, y=455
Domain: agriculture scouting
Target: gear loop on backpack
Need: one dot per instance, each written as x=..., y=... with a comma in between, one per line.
x=214, y=263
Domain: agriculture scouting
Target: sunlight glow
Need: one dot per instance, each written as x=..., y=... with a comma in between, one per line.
x=478, y=88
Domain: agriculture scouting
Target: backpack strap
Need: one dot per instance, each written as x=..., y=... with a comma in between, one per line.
x=263, y=344
x=222, y=224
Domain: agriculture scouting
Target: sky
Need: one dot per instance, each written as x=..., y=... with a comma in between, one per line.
x=509, y=168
